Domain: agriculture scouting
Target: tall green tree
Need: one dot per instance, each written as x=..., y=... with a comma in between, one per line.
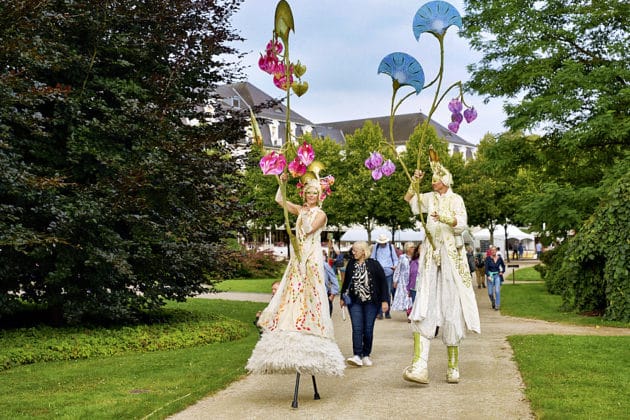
x=563, y=65
x=110, y=204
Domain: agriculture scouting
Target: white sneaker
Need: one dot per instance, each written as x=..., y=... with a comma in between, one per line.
x=355, y=361
x=367, y=361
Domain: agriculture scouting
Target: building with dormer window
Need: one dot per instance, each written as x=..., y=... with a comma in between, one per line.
x=272, y=122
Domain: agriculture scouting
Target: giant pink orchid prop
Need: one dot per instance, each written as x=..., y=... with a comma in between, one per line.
x=277, y=63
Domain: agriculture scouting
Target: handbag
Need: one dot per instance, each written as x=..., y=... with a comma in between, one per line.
x=346, y=299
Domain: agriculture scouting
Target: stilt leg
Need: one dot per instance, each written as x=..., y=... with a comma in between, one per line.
x=294, y=404
x=316, y=397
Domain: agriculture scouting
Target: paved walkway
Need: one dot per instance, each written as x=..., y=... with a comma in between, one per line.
x=490, y=388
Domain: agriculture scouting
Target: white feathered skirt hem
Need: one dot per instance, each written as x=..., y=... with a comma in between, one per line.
x=291, y=351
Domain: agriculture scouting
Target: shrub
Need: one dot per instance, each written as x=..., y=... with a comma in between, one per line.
x=258, y=264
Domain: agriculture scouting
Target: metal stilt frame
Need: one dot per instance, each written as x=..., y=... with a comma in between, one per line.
x=316, y=396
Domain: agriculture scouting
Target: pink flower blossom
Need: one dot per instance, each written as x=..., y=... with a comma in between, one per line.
x=388, y=168
x=470, y=115
x=306, y=154
x=297, y=168
x=455, y=106
x=274, y=47
x=273, y=163
x=377, y=174
x=457, y=117
x=374, y=161
x=454, y=127
x=280, y=81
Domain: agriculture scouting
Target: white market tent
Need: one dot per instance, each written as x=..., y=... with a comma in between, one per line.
x=354, y=235
x=360, y=234
x=408, y=235
x=513, y=232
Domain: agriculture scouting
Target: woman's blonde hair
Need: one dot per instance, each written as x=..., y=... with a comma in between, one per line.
x=364, y=246
x=409, y=245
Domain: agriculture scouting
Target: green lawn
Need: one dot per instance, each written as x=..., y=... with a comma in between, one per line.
x=568, y=377
x=131, y=385
x=246, y=285
x=522, y=274
x=575, y=377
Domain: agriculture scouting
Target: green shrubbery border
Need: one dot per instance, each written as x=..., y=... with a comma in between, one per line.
x=185, y=329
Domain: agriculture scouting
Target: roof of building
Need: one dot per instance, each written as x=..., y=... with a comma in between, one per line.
x=404, y=125
x=252, y=96
x=244, y=95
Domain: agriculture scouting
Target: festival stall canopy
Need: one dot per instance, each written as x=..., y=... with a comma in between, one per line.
x=499, y=233
x=404, y=235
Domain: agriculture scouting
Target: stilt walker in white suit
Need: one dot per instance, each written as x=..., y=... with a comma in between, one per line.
x=445, y=296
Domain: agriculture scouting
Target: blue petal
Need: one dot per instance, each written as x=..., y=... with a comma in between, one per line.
x=435, y=17
x=404, y=69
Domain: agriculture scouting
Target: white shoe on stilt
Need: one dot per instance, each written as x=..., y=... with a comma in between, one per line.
x=452, y=375
x=417, y=372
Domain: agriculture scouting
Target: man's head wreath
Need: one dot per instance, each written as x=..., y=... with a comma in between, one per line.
x=440, y=173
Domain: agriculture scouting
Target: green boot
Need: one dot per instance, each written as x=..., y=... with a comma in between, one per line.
x=418, y=371
x=452, y=374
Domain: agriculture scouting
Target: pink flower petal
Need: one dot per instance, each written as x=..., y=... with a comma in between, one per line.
x=454, y=127
x=470, y=115
x=297, y=168
x=455, y=106
x=306, y=154
x=388, y=168
x=273, y=163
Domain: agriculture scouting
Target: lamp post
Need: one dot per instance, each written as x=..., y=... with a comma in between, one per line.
x=507, y=251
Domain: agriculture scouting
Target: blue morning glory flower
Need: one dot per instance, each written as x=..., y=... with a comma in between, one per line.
x=403, y=69
x=435, y=17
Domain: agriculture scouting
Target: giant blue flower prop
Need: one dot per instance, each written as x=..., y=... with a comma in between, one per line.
x=404, y=70
x=435, y=17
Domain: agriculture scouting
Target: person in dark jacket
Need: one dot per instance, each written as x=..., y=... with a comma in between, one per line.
x=364, y=291
x=495, y=267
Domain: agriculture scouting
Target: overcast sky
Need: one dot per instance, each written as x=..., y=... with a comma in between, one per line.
x=342, y=43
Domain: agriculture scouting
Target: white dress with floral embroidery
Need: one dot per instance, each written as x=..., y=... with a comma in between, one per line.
x=298, y=333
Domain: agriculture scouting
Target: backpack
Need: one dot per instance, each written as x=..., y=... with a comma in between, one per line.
x=479, y=262
x=339, y=261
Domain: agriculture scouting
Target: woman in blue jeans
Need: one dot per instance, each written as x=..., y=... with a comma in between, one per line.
x=364, y=289
x=495, y=267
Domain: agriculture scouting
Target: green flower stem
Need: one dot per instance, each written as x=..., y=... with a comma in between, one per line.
x=392, y=144
x=288, y=144
x=287, y=224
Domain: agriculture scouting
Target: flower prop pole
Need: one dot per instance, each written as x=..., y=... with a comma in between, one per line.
x=434, y=17
x=276, y=62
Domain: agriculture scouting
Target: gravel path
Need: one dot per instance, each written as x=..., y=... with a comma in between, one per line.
x=490, y=388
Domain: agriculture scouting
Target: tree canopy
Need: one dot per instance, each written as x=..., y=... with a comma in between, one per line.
x=563, y=69
x=110, y=204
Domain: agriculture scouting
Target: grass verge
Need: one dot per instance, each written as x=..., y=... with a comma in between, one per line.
x=522, y=274
x=246, y=285
x=133, y=385
x=533, y=301
x=575, y=377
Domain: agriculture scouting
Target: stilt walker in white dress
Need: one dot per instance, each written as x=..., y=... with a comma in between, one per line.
x=298, y=333
x=446, y=297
